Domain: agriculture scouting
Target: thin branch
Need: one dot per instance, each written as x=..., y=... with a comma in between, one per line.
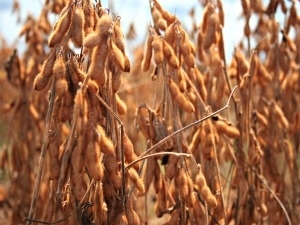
x=153, y=155
x=109, y=109
x=46, y=142
x=161, y=142
x=225, y=71
x=262, y=180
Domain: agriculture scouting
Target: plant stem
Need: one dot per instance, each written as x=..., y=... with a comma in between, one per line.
x=45, y=146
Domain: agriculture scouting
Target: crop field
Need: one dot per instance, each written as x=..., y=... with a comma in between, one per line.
x=170, y=131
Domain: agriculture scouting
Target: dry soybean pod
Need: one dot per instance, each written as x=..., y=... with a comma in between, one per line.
x=165, y=14
x=117, y=55
x=118, y=35
x=96, y=38
x=89, y=21
x=61, y=27
x=157, y=45
x=106, y=145
x=78, y=75
x=59, y=72
x=211, y=33
x=227, y=129
x=76, y=171
x=98, y=60
x=135, y=178
x=158, y=19
x=121, y=105
x=93, y=160
x=116, y=80
x=179, y=97
x=104, y=24
x=42, y=79
x=77, y=27
x=170, y=55
x=147, y=53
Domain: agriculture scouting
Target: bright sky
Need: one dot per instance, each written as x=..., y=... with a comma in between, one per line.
x=137, y=11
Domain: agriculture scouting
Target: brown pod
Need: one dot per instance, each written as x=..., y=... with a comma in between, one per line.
x=116, y=80
x=261, y=119
x=200, y=50
x=89, y=21
x=201, y=83
x=195, y=142
x=212, y=201
x=100, y=35
x=77, y=75
x=92, y=40
x=293, y=17
x=131, y=215
x=128, y=146
x=104, y=24
x=132, y=158
x=280, y=115
x=263, y=73
x=170, y=35
x=116, y=179
x=200, y=180
x=61, y=28
x=40, y=82
x=59, y=71
x=121, y=105
x=117, y=55
x=185, y=45
x=181, y=183
x=182, y=101
x=110, y=163
x=242, y=63
x=208, y=10
x=211, y=33
x=53, y=158
x=205, y=192
x=135, y=178
x=98, y=60
x=157, y=45
x=42, y=79
x=147, y=53
x=170, y=55
x=107, y=146
x=189, y=60
x=93, y=161
x=121, y=219
x=118, y=36
x=227, y=129
x=49, y=63
x=221, y=12
x=77, y=166
x=108, y=190
x=165, y=14
x=191, y=198
x=127, y=65
x=56, y=109
x=65, y=111
x=158, y=20
x=182, y=76
x=77, y=28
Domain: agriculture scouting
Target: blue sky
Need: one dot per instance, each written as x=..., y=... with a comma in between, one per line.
x=136, y=11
